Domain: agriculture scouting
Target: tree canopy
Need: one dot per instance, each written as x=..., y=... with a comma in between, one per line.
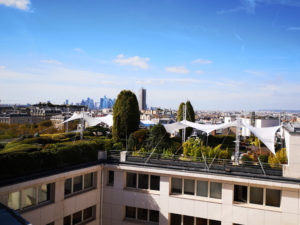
x=190, y=115
x=126, y=115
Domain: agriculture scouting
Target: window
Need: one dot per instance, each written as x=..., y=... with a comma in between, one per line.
x=214, y=222
x=256, y=195
x=28, y=197
x=143, y=181
x=77, y=217
x=188, y=220
x=273, y=197
x=215, y=190
x=154, y=216
x=14, y=200
x=142, y=214
x=130, y=212
x=201, y=221
x=81, y=217
x=189, y=187
x=202, y=188
x=88, y=180
x=68, y=186
x=240, y=193
x=77, y=183
x=131, y=180
x=176, y=186
x=111, y=177
x=67, y=220
x=88, y=213
x=154, y=182
x=175, y=219
x=44, y=193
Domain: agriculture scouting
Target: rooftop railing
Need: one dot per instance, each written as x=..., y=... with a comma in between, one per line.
x=199, y=163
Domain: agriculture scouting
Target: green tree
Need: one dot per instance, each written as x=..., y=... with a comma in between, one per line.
x=126, y=115
x=158, y=138
x=190, y=116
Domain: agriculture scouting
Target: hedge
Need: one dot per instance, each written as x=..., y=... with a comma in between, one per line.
x=21, y=163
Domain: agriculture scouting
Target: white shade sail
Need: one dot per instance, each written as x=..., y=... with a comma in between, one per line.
x=265, y=135
x=172, y=127
x=91, y=121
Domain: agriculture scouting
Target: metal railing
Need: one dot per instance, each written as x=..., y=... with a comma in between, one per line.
x=199, y=163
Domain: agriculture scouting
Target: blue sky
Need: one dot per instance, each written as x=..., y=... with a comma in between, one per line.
x=221, y=55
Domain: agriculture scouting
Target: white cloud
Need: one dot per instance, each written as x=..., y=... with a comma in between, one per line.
x=202, y=61
x=2, y=67
x=19, y=4
x=199, y=72
x=177, y=69
x=255, y=72
x=293, y=29
x=79, y=50
x=51, y=61
x=134, y=61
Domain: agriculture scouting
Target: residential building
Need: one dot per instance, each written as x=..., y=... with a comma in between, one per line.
x=125, y=189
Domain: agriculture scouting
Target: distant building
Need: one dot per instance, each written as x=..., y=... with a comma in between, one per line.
x=107, y=103
x=142, y=99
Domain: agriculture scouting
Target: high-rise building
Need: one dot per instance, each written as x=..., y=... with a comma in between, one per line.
x=142, y=99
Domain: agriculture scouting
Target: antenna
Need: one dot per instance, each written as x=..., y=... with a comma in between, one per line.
x=82, y=124
x=184, y=129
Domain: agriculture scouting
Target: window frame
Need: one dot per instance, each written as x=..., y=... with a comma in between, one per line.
x=83, y=189
x=264, y=205
x=37, y=203
x=136, y=218
x=137, y=187
x=83, y=221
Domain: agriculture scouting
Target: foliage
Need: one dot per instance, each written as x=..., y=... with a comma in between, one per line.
x=190, y=116
x=263, y=158
x=126, y=115
x=138, y=139
x=159, y=138
x=118, y=146
x=246, y=158
x=279, y=158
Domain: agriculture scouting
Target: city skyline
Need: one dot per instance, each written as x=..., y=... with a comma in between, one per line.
x=240, y=55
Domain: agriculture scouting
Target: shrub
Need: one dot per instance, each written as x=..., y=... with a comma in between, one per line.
x=263, y=158
x=246, y=158
x=118, y=146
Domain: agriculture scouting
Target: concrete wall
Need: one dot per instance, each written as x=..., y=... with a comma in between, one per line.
x=61, y=207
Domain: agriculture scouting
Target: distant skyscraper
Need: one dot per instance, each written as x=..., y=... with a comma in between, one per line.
x=142, y=99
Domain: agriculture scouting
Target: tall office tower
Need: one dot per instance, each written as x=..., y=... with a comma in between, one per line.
x=142, y=99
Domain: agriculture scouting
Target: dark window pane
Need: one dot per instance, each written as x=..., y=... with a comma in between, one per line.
x=77, y=217
x=88, y=180
x=68, y=186
x=154, y=182
x=188, y=220
x=111, y=177
x=215, y=190
x=240, y=193
x=143, y=181
x=176, y=187
x=202, y=188
x=154, y=216
x=88, y=213
x=273, y=197
x=77, y=183
x=67, y=220
x=44, y=193
x=130, y=212
x=214, y=222
x=142, y=214
x=201, y=221
x=256, y=195
x=131, y=180
x=175, y=219
x=189, y=187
